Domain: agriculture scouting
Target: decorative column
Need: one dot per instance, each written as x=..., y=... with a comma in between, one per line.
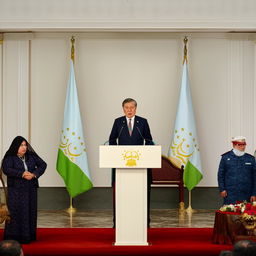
x=241, y=88
x=16, y=87
x=1, y=95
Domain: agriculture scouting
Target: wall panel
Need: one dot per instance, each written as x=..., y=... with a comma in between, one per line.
x=16, y=86
x=146, y=66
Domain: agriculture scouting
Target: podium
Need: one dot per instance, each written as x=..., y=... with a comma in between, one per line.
x=131, y=163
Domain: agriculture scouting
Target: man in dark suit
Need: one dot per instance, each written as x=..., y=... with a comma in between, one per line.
x=130, y=130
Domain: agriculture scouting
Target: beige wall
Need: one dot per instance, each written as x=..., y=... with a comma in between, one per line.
x=112, y=66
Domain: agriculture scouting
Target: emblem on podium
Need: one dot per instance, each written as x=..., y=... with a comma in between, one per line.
x=131, y=158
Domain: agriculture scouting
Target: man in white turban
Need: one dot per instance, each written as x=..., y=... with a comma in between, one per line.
x=237, y=174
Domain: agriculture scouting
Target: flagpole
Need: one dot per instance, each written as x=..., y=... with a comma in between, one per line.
x=71, y=209
x=189, y=210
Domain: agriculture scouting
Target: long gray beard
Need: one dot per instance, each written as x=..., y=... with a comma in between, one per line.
x=238, y=152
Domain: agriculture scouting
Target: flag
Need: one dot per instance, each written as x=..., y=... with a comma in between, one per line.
x=184, y=149
x=72, y=162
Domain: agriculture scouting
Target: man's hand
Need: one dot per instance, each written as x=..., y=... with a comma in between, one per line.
x=223, y=193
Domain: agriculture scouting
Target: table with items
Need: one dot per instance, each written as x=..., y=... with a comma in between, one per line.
x=230, y=227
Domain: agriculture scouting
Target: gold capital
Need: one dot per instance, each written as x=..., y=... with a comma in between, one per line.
x=72, y=48
x=185, y=58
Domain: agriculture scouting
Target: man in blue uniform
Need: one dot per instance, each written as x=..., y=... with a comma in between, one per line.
x=237, y=174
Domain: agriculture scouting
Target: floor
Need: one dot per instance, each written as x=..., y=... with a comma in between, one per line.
x=103, y=219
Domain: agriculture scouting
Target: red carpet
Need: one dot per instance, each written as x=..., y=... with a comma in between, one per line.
x=98, y=241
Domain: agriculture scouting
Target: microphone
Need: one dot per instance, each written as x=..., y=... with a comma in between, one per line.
x=120, y=131
x=143, y=137
x=118, y=134
x=106, y=142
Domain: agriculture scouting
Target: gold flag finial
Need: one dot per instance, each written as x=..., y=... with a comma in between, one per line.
x=72, y=48
x=185, y=58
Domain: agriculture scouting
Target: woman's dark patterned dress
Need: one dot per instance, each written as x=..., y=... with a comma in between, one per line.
x=22, y=197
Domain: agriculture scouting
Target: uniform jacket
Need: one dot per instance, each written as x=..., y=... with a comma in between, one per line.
x=237, y=175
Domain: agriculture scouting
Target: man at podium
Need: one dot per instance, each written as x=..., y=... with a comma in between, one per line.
x=130, y=130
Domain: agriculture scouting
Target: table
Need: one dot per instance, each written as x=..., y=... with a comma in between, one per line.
x=228, y=229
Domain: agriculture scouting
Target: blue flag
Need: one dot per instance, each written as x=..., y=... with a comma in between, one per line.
x=184, y=149
x=72, y=162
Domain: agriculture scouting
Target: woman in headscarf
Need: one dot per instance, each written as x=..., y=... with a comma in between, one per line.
x=23, y=167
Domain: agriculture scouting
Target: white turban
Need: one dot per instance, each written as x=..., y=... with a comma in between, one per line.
x=238, y=138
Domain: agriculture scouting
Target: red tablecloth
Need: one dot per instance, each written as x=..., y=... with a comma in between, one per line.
x=227, y=228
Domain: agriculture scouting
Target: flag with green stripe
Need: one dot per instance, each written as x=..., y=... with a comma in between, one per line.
x=184, y=149
x=72, y=162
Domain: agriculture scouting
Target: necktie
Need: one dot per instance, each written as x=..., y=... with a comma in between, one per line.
x=130, y=126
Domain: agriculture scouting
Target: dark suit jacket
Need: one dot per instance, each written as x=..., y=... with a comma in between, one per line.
x=140, y=133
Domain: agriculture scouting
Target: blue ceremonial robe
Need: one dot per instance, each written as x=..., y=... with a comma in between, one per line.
x=237, y=175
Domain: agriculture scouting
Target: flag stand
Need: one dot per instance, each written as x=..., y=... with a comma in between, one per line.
x=182, y=217
x=71, y=210
x=189, y=210
x=182, y=204
x=182, y=207
x=189, y=218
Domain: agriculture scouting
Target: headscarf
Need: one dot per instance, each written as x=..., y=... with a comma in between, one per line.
x=14, y=147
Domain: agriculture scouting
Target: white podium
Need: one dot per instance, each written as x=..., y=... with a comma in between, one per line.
x=131, y=163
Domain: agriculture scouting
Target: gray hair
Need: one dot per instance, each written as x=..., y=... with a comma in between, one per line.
x=128, y=100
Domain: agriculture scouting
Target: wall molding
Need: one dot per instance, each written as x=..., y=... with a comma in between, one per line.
x=56, y=198
x=240, y=88
x=16, y=89
x=128, y=26
x=254, y=93
x=128, y=15
x=1, y=95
